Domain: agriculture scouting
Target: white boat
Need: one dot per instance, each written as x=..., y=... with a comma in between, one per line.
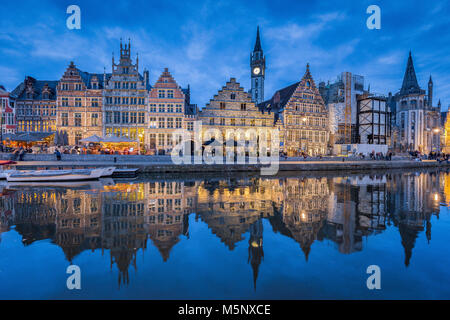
x=4, y=172
x=6, y=163
x=53, y=175
x=107, y=172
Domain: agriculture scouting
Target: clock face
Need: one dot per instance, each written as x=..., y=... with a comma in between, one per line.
x=256, y=70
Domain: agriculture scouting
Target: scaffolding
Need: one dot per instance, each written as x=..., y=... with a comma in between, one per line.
x=348, y=108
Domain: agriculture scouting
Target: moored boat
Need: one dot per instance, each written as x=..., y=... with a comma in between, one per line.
x=4, y=172
x=107, y=172
x=53, y=175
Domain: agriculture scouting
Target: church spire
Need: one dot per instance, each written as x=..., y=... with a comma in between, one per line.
x=410, y=84
x=258, y=42
x=430, y=92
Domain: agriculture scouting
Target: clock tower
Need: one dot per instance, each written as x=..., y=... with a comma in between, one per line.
x=258, y=71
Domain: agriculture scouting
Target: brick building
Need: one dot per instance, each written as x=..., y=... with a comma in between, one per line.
x=79, y=104
x=232, y=108
x=8, y=116
x=301, y=117
x=125, y=96
x=169, y=110
x=36, y=106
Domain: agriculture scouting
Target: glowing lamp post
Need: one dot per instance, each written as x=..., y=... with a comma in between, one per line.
x=436, y=131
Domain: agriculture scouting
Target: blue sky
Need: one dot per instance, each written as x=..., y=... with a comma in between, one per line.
x=204, y=43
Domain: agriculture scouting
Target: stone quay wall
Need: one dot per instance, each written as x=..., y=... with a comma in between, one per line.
x=163, y=164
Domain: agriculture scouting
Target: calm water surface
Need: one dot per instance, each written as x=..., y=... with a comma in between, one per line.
x=288, y=237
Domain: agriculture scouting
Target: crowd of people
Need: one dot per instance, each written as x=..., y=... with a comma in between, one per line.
x=433, y=155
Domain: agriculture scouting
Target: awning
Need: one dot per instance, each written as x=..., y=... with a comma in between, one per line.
x=28, y=137
x=115, y=139
x=95, y=138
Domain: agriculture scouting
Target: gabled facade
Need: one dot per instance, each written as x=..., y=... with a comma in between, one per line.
x=7, y=109
x=79, y=104
x=125, y=98
x=168, y=105
x=35, y=106
x=301, y=117
x=232, y=108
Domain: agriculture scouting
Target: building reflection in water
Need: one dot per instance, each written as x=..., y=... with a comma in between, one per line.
x=121, y=218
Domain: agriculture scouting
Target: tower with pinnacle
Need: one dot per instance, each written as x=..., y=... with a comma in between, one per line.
x=430, y=92
x=258, y=71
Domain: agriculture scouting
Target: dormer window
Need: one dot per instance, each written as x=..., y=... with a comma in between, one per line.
x=46, y=95
x=94, y=85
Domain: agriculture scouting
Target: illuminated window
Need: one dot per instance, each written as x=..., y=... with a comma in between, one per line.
x=77, y=119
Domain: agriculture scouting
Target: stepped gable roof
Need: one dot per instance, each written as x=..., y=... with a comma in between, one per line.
x=281, y=97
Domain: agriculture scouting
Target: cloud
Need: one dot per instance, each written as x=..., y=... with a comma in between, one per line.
x=8, y=76
x=295, y=32
x=205, y=42
x=392, y=58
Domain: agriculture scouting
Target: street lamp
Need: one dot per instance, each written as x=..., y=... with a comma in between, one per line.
x=436, y=131
x=140, y=135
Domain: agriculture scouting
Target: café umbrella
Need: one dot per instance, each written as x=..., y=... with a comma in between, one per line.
x=94, y=138
x=115, y=139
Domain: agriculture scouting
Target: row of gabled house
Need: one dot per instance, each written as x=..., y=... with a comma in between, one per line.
x=316, y=120
x=123, y=103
